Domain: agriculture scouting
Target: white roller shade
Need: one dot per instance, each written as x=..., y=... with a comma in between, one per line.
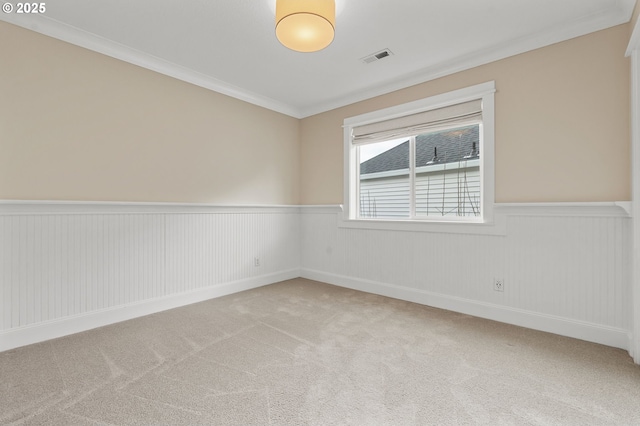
x=415, y=124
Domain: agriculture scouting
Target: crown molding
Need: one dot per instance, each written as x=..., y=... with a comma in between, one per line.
x=61, y=31
x=634, y=40
x=587, y=24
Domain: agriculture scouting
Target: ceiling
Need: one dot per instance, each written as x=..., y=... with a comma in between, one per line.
x=230, y=46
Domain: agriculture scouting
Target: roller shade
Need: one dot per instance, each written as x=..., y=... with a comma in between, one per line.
x=418, y=123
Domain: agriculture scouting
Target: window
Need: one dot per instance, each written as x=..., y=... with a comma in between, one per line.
x=445, y=176
x=426, y=161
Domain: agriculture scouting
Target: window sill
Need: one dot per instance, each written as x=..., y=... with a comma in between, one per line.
x=496, y=227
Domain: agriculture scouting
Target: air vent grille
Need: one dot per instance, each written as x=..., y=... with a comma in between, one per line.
x=376, y=56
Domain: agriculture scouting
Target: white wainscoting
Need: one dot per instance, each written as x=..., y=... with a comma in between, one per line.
x=69, y=267
x=566, y=267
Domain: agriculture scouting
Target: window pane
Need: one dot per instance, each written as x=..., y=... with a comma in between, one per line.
x=448, y=172
x=384, y=180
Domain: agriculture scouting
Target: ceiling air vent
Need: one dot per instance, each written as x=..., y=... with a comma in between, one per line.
x=377, y=56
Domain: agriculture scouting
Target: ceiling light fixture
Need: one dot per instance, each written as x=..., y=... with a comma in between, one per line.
x=305, y=25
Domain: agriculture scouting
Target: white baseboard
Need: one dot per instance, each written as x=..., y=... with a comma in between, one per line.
x=40, y=332
x=615, y=337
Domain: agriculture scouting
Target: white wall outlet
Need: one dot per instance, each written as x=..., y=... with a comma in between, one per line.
x=498, y=284
x=256, y=261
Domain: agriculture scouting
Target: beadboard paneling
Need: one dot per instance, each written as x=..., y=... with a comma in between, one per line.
x=204, y=250
x=68, y=267
x=61, y=262
x=566, y=270
x=56, y=266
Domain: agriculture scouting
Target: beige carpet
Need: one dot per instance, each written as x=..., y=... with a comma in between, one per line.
x=302, y=352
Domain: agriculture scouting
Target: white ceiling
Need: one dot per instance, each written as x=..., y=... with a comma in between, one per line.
x=230, y=46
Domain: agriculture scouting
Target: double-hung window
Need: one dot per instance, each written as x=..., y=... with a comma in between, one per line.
x=425, y=161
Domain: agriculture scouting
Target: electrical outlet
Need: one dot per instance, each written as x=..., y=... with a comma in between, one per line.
x=256, y=261
x=498, y=284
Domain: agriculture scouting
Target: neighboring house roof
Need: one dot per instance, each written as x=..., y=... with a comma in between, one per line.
x=446, y=146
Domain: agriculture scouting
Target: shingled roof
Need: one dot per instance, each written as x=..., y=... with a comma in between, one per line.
x=447, y=146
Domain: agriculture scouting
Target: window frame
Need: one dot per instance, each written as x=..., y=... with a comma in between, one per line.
x=483, y=91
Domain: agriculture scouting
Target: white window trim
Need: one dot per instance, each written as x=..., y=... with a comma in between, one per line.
x=484, y=91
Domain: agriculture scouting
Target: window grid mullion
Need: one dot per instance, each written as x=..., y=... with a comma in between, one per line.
x=357, y=182
x=412, y=177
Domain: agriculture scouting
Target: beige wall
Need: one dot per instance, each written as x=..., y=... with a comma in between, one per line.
x=77, y=125
x=562, y=124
